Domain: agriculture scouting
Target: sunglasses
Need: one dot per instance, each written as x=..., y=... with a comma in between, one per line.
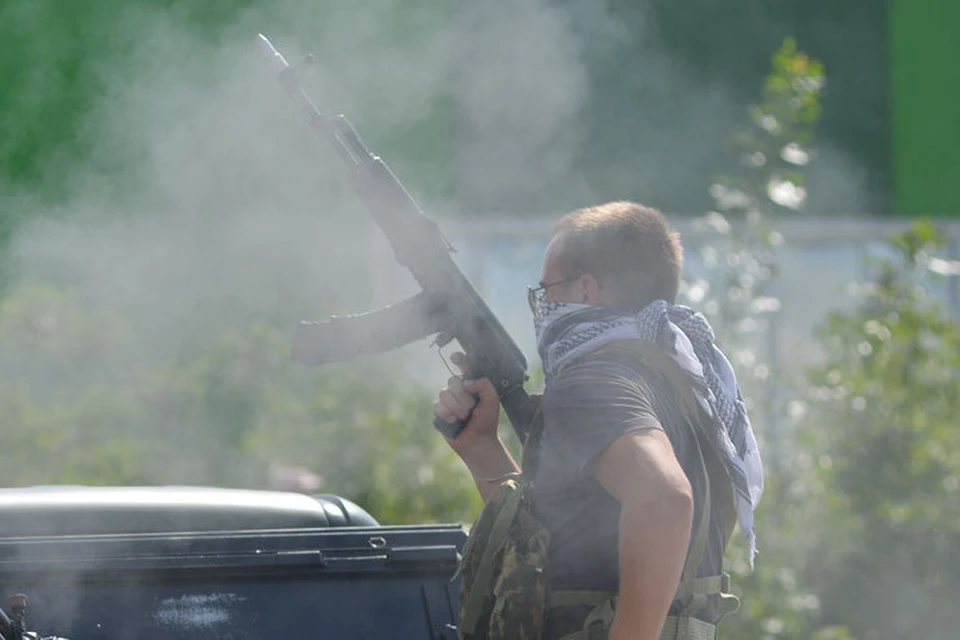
x=535, y=295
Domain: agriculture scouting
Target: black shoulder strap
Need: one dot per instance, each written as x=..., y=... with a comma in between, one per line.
x=531, y=447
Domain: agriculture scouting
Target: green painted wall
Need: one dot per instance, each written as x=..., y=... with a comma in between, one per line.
x=925, y=91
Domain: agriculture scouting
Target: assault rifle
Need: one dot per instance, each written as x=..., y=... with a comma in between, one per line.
x=448, y=306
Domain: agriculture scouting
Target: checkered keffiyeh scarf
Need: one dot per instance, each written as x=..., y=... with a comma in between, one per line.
x=566, y=331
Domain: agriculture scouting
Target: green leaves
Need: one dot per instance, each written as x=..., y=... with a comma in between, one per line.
x=885, y=410
x=860, y=516
x=81, y=405
x=775, y=147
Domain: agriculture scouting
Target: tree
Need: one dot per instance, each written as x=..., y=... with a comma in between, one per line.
x=883, y=442
x=737, y=293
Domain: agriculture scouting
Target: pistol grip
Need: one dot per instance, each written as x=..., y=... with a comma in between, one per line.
x=450, y=430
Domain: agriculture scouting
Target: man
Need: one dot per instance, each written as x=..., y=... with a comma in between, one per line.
x=619, y=473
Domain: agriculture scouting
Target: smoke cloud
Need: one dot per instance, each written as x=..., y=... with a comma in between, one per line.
x=195, y=201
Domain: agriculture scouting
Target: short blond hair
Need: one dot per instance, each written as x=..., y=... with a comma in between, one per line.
x=627, y=247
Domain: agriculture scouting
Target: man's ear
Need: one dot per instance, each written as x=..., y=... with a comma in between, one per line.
x=590, y=290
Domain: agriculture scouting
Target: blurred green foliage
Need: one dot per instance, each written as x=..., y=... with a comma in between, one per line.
x=858, y=526
x=777, y=146
x=79, y=406
x=736, y=293
x=882, y=444
x=772, y=150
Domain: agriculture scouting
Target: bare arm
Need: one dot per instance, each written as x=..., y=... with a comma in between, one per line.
x=487, y=464
x=479, y=444
x=640, y=470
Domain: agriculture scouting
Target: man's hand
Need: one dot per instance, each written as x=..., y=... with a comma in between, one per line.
x=477, y=400
x=478, y=445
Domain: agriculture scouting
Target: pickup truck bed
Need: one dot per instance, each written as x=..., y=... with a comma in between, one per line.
x=204, y=563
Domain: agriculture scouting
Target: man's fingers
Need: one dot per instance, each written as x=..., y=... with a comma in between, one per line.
x=460, y=360
x=482, y=388
x=441, y=411
x=455, y=384
x=459, y=404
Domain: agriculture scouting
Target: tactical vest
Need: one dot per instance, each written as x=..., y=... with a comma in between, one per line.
x=504, y=593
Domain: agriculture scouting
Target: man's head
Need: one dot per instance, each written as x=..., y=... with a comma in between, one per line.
x=620, y=255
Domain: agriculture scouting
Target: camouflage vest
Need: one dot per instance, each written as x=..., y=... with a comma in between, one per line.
x=504, y=594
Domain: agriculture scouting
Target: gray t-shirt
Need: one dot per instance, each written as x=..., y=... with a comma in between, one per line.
x=587, y=406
